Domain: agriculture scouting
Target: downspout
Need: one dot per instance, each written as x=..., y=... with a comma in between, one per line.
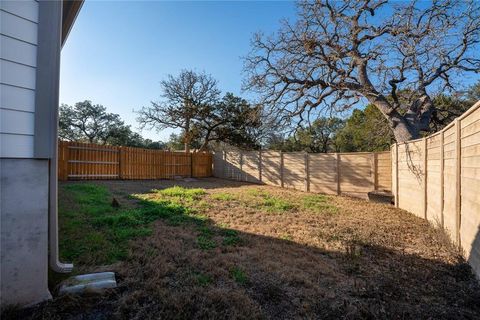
x=65, y=13
x=54, y=256
x=46, y=114
x=55, y=263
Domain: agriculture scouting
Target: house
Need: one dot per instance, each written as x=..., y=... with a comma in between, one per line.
x=32, y=34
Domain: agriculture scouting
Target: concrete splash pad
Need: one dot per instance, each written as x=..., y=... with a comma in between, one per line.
x=93, y=282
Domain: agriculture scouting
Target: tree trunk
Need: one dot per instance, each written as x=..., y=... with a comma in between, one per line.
x=206, y=139
x=403, y=132
x=204, y=145
x=203, y=148
x=402, y=129
x=325, y=146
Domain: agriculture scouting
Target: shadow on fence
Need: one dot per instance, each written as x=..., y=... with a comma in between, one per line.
x=438, y=178
x=352, y=174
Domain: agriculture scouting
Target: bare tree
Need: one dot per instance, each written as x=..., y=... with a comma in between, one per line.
x=340, y=52
x=186, y=97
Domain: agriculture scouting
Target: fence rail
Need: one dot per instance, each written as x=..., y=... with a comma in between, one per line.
x=438, y=178
x=352, y=174
x=81, y=161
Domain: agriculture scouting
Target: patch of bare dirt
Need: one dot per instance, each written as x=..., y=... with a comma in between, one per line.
x=351, y=260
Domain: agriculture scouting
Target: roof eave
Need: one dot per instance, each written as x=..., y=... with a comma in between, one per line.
x=71, y=8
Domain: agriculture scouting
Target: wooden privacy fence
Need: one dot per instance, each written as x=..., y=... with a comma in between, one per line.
x=91, y=161
x=438, y=178
x=331, y=173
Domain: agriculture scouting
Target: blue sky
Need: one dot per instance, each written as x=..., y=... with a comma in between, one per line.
x=117, y=52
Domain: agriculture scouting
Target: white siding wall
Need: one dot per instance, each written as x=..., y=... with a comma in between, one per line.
x=18, y=58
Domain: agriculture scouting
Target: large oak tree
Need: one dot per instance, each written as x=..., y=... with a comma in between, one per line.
x=231, y=120
x=91, y=123
x=88, y=122
x=185, y=98
x=393, y=56
x=191, y=102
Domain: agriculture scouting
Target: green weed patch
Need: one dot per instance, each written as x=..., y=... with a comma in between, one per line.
x=238, y=275
x=94, y=233
x=319, y=204
x=231, y=237
x=177, y=191
x=262, y=200
x=223, y=196
x=201, y=279
x=206, y=242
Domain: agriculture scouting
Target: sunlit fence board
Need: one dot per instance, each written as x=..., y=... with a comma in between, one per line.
x=233, y=166
x=470, y=192
x=450, y=181
x=444, y=183
x=202, y=164
x=384, y=168
x=294, y=170
x=250, y=166
x=271, y=166
x=323, y=173
x=83, y=161
x=89, y=161
x=356, y=175
x=434, y=179
x=411, y=173
x=352, y=174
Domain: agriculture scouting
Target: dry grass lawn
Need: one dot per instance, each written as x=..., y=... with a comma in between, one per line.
x=220, y=249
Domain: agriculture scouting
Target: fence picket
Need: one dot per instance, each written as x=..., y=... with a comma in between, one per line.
x=450, y=186
x=80, y=161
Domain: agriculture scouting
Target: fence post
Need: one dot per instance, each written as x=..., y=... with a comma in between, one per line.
x=63, y=153
x=442, y=178
x=425, y=178
x=337, y=167
x=120, y=163
x=397, y=185
x=458, y=177
x=260, y=165
x=224, y=162
x=374, y=171
x=191, y=163
x=210, y=168
x=307, y=172
x=281, y=169
x=242, y=177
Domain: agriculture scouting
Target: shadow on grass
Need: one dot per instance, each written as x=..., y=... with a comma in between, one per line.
x=190, y=267
x=94, y=232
